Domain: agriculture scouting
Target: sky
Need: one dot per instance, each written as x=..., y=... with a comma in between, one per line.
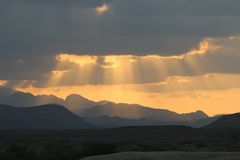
x=181, y=55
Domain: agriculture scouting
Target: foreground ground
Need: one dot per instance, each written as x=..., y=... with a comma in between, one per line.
x=77, y=144
x=168, y=156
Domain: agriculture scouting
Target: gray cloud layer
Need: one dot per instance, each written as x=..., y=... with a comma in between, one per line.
x=33, y=31
x=136, y=26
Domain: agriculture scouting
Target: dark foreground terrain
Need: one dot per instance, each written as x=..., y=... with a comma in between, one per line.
x=168, y=156
x=76, y=144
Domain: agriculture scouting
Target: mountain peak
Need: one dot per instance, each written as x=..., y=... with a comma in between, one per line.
x=200, y=112
x=76, y=97
x=77, y=102
x=196, y=115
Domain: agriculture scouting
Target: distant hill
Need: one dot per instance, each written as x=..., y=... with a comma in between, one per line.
x=226, y=121
x=77, y=103
x=40, y=117
x=73, y=102
x=106, y=113
x=205, y=121
x=20, y=99
x=134, y=111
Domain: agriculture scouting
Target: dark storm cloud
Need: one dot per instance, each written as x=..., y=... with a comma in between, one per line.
x=136, y=26
x=42, y=28
x=26, y=68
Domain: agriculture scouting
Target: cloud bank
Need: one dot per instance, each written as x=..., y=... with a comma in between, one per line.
x=33, y=33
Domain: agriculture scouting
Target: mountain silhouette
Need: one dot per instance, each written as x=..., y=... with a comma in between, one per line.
x=74, y=102
x=20, y=99
x=205, y=121
x=226, y=121
x=135, y=111
x=101, y=112
x=49, y=116
x=77, y=103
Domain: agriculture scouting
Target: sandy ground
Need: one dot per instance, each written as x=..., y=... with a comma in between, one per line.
x=168, y=156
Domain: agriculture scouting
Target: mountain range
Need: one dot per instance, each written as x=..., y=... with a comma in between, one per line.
x=105, y=113
x=134, y=114
x=74, y=102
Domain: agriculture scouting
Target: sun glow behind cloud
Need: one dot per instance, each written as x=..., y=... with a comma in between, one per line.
x=102, y=9
x=186, y=82
x=127, y=69
x=206, y=45
x=80, y=60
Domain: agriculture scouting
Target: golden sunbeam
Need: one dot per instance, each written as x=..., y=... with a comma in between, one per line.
x=121, y=70
x=112, y=69
x=150, y=80
x=126, y=69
